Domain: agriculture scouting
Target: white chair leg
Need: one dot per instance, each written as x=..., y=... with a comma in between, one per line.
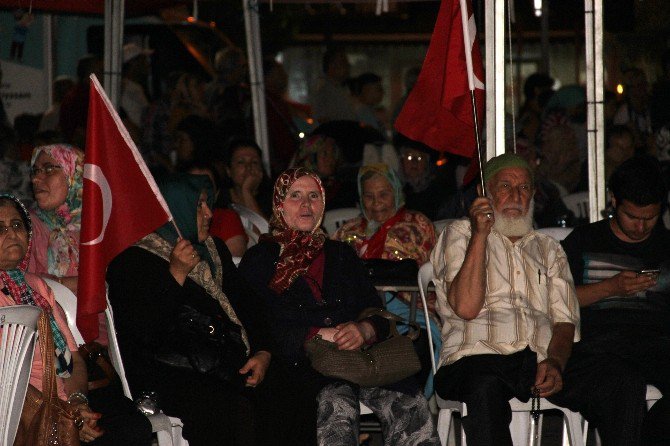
x=572, y=434
x=162, y=426
x=520, y=428
x=164, y=438
x=444, y=425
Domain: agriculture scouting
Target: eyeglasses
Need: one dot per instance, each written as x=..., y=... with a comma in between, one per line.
x=47, y=169
x=17, y=226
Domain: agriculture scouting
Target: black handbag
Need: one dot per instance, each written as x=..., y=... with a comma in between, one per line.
x=208, y=344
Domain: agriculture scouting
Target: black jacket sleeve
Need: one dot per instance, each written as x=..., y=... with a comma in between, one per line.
x=248, y=306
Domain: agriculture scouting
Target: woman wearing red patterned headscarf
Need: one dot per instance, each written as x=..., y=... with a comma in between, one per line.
x=313, y=285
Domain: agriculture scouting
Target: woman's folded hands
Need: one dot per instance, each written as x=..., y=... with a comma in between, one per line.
x=349, y=335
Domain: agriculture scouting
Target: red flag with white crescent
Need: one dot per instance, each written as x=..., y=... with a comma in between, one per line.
x=121, y=204
x=438, y=110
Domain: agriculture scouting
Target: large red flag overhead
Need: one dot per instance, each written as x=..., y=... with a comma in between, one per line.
x=121, y=204
x=438, y=111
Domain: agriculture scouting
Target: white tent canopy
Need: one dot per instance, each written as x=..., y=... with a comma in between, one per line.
x=494, y=66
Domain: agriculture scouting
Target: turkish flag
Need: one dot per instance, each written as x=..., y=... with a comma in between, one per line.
x=438, y=110
x=121, y=204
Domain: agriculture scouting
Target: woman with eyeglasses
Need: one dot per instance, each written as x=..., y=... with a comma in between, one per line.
x=427, y=185
x=110, y=420
x=57, y=175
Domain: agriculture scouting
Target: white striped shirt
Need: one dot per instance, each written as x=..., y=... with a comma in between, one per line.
x=529, y=288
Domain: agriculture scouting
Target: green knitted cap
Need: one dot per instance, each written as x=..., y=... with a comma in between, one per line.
x=504, y=161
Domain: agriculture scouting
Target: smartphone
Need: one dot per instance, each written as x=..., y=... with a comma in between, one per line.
x=649, y=272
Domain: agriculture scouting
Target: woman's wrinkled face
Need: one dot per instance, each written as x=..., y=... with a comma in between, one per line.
x=378, y=199
x=303, y=206
x=203, y=217
x=49, y=182
x=244, y=162
x=13, y=237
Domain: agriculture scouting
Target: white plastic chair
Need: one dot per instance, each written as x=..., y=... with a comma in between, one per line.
x=68, y=302
x=441, y=224
x=18, y=328
x=335, y=218
x=578, y=203
x=251, y=220
x=521, y=428
x=558, y=233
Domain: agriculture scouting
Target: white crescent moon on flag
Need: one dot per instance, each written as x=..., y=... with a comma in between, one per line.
x=94, y=173
x=472, y=31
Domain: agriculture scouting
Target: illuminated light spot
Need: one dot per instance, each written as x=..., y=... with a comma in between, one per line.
x=619, y=89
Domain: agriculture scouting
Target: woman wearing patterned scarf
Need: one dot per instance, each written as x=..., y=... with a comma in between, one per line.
x=18, y=287
x=388, y=230
x=57, y=176
x=313, y=285
x=166, y=277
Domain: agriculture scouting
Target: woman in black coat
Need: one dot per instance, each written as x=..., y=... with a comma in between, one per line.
x=312, y=286
x=163, y=279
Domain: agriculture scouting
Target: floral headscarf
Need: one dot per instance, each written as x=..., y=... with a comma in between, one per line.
x=297, y=248
x=13, y=284
x=308, y=152
x=396, y=184
x=64, y=221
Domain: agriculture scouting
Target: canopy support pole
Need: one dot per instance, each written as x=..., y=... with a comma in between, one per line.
x=494, y=23
x=595, y=113
x=255, y=57
x=114, y=13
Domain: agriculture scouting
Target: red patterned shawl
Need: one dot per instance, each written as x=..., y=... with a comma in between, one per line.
x=297, y=248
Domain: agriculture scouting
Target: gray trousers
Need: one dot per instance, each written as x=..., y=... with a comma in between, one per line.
x=405, y=419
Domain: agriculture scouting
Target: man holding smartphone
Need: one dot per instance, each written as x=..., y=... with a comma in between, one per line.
x=621, y=270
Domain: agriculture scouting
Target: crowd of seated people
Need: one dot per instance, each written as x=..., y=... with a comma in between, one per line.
x=209, y=167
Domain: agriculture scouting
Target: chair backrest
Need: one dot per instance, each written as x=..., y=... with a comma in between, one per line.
x=425, y=277
x=18, y=329
x=557, y=233
x=68, y=302
x=578, y=203
x=441, y=224
x=114, y=352
x=251, y=220
x=335, y=218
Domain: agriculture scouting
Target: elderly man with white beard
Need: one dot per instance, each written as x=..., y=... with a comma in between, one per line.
x=510, y=313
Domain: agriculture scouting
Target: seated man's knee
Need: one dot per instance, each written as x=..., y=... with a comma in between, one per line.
x=484, y=387
x=623, y=382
